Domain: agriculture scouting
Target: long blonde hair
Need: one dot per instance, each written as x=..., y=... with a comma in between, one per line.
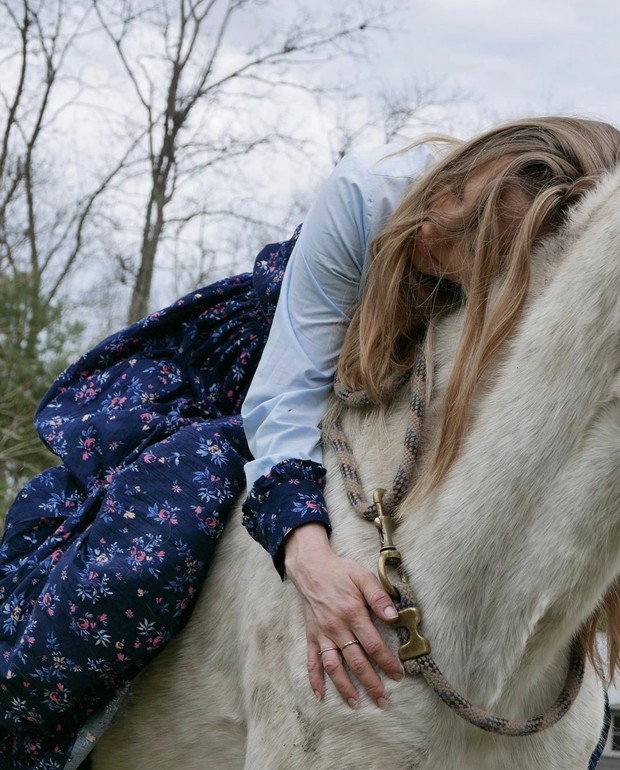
x=549, y=163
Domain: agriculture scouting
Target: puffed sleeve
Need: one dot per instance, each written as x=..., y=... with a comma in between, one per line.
x=289, y=392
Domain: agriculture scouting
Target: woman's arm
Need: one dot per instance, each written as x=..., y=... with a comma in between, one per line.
x=285, y=404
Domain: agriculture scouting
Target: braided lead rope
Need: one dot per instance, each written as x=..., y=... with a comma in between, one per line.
x=404, y=473
x=485, y=720
x=424, y=665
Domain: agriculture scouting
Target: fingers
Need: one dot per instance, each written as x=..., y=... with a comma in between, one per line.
x=333, y=666
x=356, y=626
x=336, y=595
x=364, y=630
x=336, y=661
x=374, y=648
x=315, y=670
x=377, y=598
x=358, y=663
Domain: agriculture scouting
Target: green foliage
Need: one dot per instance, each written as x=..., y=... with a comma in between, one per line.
x=36, y=343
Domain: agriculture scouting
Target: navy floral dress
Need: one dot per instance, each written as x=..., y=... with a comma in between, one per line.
x=103, y=555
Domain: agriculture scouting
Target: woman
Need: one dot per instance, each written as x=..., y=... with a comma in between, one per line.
x=102, y=556
x=472, y=219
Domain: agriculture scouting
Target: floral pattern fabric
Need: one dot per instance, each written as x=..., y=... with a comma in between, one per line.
x=103, y=555
x=289, y=495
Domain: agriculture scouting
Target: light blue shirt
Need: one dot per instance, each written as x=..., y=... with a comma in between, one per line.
x=288, y=395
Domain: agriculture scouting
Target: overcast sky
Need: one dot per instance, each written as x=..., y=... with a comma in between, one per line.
x=513, y=57
x=517, y=56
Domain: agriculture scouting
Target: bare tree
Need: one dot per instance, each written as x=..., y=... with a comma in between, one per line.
x=392, y=114
x=196, y=87
x=40, y=233
x=43, y=221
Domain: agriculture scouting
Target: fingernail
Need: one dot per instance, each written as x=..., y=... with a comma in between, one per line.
x=390, y=612
x=382, y=703
x=352, y=702
x=399, y=676
x=318, y=695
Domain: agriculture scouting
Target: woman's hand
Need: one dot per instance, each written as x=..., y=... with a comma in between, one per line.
x=336, y=594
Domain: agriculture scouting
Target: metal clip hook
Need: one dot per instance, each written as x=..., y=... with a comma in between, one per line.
x=389, y=556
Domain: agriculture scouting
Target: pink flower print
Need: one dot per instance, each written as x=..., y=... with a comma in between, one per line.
x=163, y=513
x=165, y=370
x=46, y=601
x=211, y=522
x=137, y=554
x=149, y=457
x=109, y=477
x=56, y=555
x=166, y=515
x=56, y=696
x=88, y=443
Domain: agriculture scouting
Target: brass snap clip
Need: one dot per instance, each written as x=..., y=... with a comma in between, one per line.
x=389, y=556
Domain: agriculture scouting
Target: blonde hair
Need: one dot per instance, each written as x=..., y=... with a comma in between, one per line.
x=546, y=164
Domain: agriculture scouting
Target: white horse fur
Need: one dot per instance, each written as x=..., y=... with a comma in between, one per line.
x=508, y=558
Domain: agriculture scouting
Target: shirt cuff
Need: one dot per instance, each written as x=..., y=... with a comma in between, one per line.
x=290, y=495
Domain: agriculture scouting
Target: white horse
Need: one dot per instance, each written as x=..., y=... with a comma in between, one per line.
x=508, y=557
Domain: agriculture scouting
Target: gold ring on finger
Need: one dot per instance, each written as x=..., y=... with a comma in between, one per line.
x=327, y=649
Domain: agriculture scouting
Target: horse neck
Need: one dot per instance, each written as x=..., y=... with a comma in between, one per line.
x=511, y=554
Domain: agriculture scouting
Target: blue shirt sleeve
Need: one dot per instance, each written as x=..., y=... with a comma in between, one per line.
x=289, y=391
x=321, y=285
